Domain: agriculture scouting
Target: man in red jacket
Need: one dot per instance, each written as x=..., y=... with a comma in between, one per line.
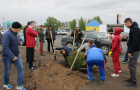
x=116, y=50
x=30, y=43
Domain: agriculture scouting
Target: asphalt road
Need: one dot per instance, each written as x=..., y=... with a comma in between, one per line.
x=57, y=43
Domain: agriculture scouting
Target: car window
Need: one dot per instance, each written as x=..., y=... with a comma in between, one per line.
x=99, y=35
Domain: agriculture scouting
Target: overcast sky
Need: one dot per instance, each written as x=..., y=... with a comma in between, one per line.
x=66, y=10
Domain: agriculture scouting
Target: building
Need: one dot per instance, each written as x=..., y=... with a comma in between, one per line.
x=93, y=25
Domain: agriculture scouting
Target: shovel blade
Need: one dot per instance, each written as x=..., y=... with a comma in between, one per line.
x=39, y=63
x=55, y=57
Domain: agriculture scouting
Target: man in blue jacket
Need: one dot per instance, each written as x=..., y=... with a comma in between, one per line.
x=95, y=57
x=11, y=54
x=65, y=51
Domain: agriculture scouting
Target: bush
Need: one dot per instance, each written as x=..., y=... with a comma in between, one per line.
x=80, y=61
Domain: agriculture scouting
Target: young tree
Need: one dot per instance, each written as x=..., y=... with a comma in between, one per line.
x=82, y=24
x=97, y=18
x=73, y=24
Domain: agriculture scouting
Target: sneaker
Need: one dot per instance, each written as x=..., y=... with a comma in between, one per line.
x=115, y=75
x=132, y=85
x=48, y=52
x=119, y=71
x=32, y=68
x=124, y=62
x=101, y=81
x=21, y=87
x=8, y=86
x=128, y=80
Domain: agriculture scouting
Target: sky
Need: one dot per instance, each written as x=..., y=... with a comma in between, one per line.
x=66, y=10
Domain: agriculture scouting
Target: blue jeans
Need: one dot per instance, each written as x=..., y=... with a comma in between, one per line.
x=78, y=44
x=100, y=64
x=126, y=56
x=7, y=67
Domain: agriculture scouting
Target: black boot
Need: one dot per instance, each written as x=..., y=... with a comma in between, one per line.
x=132, y=84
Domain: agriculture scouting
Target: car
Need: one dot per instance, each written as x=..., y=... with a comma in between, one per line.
x=99, y=40
x=105, y=34
x=124, y=36
x=3, y=31
x=20, y=38
x=62, y=32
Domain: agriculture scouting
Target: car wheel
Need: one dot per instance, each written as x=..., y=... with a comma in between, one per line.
x=69, y=45
x=21, y=42
x=105, y=49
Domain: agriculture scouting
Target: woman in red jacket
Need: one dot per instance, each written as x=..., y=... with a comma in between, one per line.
x=116, y=50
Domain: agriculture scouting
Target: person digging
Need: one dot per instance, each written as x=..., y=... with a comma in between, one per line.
x=65, y=51
x=95, y=57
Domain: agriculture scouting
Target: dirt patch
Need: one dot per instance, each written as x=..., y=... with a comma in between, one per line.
x=52, y=76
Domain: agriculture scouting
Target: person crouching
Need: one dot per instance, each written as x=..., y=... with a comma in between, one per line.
x=95, y=57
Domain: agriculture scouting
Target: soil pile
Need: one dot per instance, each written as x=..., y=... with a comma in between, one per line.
x=52, y=76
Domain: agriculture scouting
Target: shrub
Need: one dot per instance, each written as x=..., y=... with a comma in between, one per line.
x=80, y=61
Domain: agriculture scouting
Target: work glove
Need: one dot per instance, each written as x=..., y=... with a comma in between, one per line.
x=109, y=54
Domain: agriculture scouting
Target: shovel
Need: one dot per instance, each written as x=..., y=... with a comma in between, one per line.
x=73, y=42
x=76, y=55
x=39, y=62
x=53, y=46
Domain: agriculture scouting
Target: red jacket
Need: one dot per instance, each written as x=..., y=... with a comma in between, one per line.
x=116, y=41
x=30, y=37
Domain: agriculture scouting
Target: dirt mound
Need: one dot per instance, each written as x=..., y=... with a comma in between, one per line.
x=52, y=76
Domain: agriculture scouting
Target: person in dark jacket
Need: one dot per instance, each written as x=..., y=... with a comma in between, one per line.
x=65, y=51
x=24, y=33
x=133, y=50
x=48, y=33
x=41, y=39
x=116, y=50
x=30, y=43
x=11, y=54
x=78, y=36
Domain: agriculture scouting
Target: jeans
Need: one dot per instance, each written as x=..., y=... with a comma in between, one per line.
x=100, y=64
x=78, y=44
x=7, y=67
x=126, y=56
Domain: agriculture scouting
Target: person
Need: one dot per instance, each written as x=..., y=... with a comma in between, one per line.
x=116, y=50
x=87, y=46
x=30, y=43
x=24, y=33
x=133, y=50
x=126, y=57
x=48, y=33
x=11, y=54
x=65, y=51
x=95, y=57
x=41, y=39
x=78, y=36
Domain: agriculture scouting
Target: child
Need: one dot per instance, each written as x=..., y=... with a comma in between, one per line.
x=116, y=50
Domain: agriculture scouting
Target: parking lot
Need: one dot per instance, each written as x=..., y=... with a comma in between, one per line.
x=57, y=43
